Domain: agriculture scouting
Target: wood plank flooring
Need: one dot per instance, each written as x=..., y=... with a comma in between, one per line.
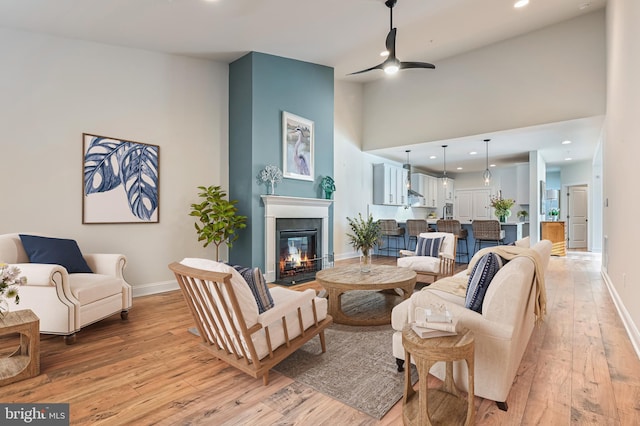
x=579, y=368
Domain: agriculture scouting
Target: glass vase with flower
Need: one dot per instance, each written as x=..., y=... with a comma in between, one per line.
x=10, y=279
x=502, y=207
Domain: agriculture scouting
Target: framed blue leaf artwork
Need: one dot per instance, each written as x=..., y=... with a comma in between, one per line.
x=120, y=181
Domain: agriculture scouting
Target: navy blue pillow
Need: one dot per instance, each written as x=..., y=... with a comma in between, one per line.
x=258, y=286
x=428, y=246
x=481, y=275
x=55, y=251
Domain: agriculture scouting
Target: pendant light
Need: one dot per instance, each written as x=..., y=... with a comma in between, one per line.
x=445, y=179
x=486, y=176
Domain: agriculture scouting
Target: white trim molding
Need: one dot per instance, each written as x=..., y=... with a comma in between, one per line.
x=276, y=207
x=627, y=321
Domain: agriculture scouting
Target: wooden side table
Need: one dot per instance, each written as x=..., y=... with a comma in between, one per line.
x=447, y=405
x=25, y=361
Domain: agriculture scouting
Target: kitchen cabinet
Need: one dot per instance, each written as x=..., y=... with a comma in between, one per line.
x=389, y=185
x=428, y=187
x=556, y=233
x=472, y=204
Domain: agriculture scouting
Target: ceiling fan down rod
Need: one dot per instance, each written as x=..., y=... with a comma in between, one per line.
x=390, y=4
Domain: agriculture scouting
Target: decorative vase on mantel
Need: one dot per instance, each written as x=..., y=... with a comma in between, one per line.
x=365, y=261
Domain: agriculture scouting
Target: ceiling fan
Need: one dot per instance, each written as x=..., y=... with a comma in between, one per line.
x=391, y=65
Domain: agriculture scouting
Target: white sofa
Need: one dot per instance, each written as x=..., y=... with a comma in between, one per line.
x=501, y=332
x=67, y=302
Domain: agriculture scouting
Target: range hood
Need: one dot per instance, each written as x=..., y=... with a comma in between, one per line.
x=411, y=192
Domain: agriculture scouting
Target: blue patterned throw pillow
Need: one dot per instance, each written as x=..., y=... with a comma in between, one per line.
x=428, y=246
x=258, y=286
x=479, y=280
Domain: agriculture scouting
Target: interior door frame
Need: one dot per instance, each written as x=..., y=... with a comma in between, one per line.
x=565, y=203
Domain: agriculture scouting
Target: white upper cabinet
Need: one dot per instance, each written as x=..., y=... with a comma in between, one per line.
x=428, y=187
x=389, y=185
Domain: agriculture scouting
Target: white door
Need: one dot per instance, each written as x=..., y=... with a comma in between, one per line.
x=577, y=216
x=464, y=206
x=482, y=204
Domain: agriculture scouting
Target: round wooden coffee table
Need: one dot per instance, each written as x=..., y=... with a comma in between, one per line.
x=339, y=280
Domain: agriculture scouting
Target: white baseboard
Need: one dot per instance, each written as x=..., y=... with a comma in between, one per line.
x=627, y=321
x=155, y=288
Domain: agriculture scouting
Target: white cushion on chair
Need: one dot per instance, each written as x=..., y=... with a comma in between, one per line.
x=88, y=288
x=420, y=263
x=247, y=302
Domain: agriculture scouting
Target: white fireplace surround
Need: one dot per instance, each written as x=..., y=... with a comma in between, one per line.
x=277, y=207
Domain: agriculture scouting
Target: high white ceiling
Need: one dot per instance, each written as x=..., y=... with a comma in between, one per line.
x=347, y=35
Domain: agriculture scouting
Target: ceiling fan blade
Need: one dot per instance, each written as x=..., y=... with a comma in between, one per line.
x=406, y=65
x=390, y=42
x=377, y=67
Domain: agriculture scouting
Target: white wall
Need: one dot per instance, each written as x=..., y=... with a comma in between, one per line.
x=550, y=75
x=621, y=152
x=352, y=176
x=54, y=89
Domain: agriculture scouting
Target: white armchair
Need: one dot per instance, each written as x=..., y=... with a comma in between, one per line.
x=438, y=266
x=232, y=328
x=66, y=302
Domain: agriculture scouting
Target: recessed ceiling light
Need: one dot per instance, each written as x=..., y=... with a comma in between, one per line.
x=584, y=5
x=432, y=157
x=458, y=168
x=520, y=3
x=566, y=142
x=473, y=153
x=568, y=159
x=492, y=165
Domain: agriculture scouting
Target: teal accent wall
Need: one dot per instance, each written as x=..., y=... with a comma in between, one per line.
x=261, y=88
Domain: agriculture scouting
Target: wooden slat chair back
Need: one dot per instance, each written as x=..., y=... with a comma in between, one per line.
x=221, y=324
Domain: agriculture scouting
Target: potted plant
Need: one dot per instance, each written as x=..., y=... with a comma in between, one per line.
x=554, y=213
x=502, y=207
x=523, y=215
x=328, y=186
x=218, y=218
x=365, y=234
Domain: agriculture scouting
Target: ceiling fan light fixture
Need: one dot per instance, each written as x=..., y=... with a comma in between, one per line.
x=391, y=66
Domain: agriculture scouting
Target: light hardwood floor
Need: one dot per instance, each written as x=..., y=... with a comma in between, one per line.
x=579, y=368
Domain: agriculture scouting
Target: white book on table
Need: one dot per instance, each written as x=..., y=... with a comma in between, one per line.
x=427, y=333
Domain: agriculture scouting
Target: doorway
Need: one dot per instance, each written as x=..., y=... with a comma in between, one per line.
x=577, y=217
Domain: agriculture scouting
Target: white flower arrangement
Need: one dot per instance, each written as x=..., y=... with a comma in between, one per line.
x=10, y=279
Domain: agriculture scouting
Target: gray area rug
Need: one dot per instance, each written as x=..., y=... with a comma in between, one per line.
x=358, y=368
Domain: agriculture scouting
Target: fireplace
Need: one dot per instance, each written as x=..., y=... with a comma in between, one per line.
x=299, y=248
x=313, y=210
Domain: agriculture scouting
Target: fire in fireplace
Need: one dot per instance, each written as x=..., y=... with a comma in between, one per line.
x=299, y=250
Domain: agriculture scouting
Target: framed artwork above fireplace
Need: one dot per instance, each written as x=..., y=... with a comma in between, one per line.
x=297, y=147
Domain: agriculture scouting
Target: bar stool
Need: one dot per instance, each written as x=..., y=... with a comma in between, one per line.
x=389, y=228
x=453, y=226
x=486, y=231
x=415, y=227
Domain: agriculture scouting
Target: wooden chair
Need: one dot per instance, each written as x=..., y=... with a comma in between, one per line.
x=436, y=267
x=390, y=229
x=231, y=327
x=453, y=226
x=415, y=227
x=486, y=231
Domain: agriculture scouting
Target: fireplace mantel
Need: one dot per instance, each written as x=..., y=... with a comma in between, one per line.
x=277, y=206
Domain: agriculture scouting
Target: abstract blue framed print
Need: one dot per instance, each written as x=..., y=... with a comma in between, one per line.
x=120, y=181
x=297, y=147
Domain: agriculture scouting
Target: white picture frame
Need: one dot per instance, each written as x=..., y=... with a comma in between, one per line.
x=297, y=147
